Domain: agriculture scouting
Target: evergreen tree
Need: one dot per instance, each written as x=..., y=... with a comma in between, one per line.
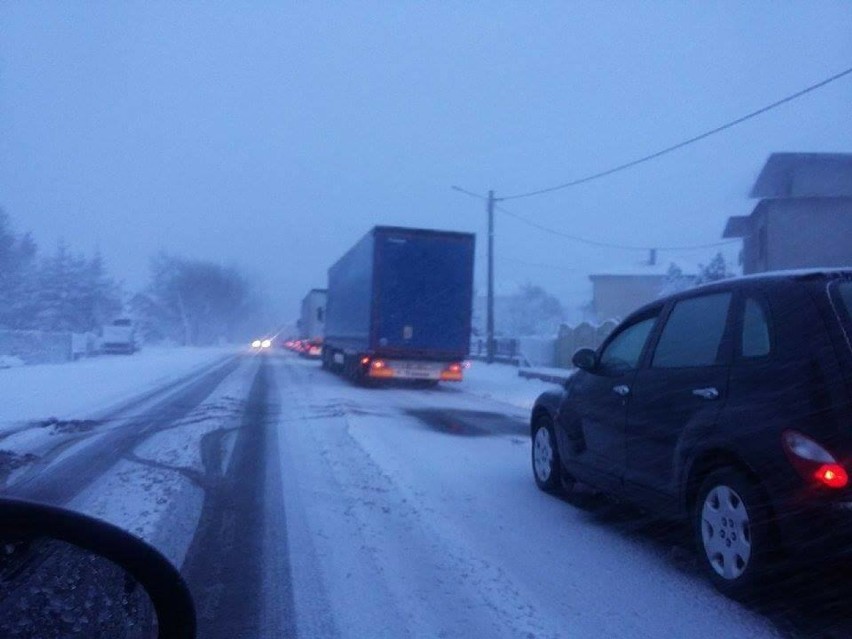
x=715, y=270
x=17, y=276
x=675, y=281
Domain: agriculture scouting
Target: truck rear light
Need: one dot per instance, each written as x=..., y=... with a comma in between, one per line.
x=380, y=368
x=452, y=373
x=812, y=461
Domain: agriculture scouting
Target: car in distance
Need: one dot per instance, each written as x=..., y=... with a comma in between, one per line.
x=728, y=405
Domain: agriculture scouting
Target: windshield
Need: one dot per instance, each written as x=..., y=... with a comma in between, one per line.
x=292, y=292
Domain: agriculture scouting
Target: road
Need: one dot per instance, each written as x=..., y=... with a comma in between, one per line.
x=301, y=506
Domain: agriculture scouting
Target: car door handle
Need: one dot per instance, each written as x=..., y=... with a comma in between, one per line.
x=706, y=393
x=621, y=389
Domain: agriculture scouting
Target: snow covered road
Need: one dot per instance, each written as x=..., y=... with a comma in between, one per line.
x=411, y=527
x=301, y=505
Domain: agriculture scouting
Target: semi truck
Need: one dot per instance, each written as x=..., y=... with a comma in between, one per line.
x=399, y=306
x=312, y=322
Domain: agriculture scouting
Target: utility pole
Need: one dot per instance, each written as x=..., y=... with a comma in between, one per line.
x=490, y=347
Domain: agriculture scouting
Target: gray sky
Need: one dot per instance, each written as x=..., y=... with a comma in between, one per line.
x=273, y=135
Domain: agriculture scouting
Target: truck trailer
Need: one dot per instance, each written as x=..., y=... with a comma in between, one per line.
x=312, y=323
x=399, y=306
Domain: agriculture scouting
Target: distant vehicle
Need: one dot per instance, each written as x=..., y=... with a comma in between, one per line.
x=119, y=337
x=261, y=343
x=730, y=406
x=312, y=323
x=312, y=349
x=399, y=306
x=312, y=319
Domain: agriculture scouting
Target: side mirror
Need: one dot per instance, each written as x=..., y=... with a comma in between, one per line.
x=585, y=359
x=63, y=574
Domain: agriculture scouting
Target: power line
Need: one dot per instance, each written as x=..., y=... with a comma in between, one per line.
x=674, y=147
x=515, y=260
x=584, y=240
x=624, y=247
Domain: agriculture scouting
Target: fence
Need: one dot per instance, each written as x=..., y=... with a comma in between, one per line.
x=545, y=351
x=570, y=340
x=45, y=347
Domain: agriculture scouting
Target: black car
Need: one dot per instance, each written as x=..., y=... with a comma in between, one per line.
x=729, y=405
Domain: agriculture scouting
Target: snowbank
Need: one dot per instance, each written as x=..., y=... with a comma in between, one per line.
x=502, y=383
x=76, y=389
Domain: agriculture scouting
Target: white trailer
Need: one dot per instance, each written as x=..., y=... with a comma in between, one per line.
x=312, y=322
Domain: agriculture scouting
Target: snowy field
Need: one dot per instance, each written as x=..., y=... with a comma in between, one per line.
x=78, y=389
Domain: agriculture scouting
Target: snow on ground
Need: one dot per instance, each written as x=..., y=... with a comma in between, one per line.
x=501, y=382
x=76, y=389
x=159, y=494
x=411, y=531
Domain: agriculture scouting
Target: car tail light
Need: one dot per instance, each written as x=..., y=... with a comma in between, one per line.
x=365, y=360
x=832, y=475
x=812, y=461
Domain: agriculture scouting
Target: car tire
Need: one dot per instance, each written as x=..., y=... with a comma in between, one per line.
x=546, y=463
x=731, y=524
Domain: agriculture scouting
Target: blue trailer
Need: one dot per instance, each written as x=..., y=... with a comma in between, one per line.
x=399, y=306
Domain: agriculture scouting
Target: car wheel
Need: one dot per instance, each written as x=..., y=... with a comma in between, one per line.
x=546, y=465
x=731, y=523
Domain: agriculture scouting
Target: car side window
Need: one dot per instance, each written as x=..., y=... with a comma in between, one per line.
x=755, y=340
x=625, y=349
x=693, y=332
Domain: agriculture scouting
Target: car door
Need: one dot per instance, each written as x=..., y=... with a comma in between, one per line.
x=683, y=384
x=593, y=413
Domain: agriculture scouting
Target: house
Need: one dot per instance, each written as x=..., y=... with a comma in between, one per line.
x=804, y=216
x=616, y=295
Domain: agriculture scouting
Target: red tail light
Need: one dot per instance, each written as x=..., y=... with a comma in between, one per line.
x=832, y=475
x=812, y=461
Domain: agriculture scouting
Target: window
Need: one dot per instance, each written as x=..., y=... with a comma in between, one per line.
x=755, y=335
x=625, y=349
x=693, y=333
x=319, y=313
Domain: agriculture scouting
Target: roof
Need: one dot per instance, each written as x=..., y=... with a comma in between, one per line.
x=737, y=226
x=602, y=276
x=826, y=272
x=802, y=174
x=740, y=225
x=830, y=272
